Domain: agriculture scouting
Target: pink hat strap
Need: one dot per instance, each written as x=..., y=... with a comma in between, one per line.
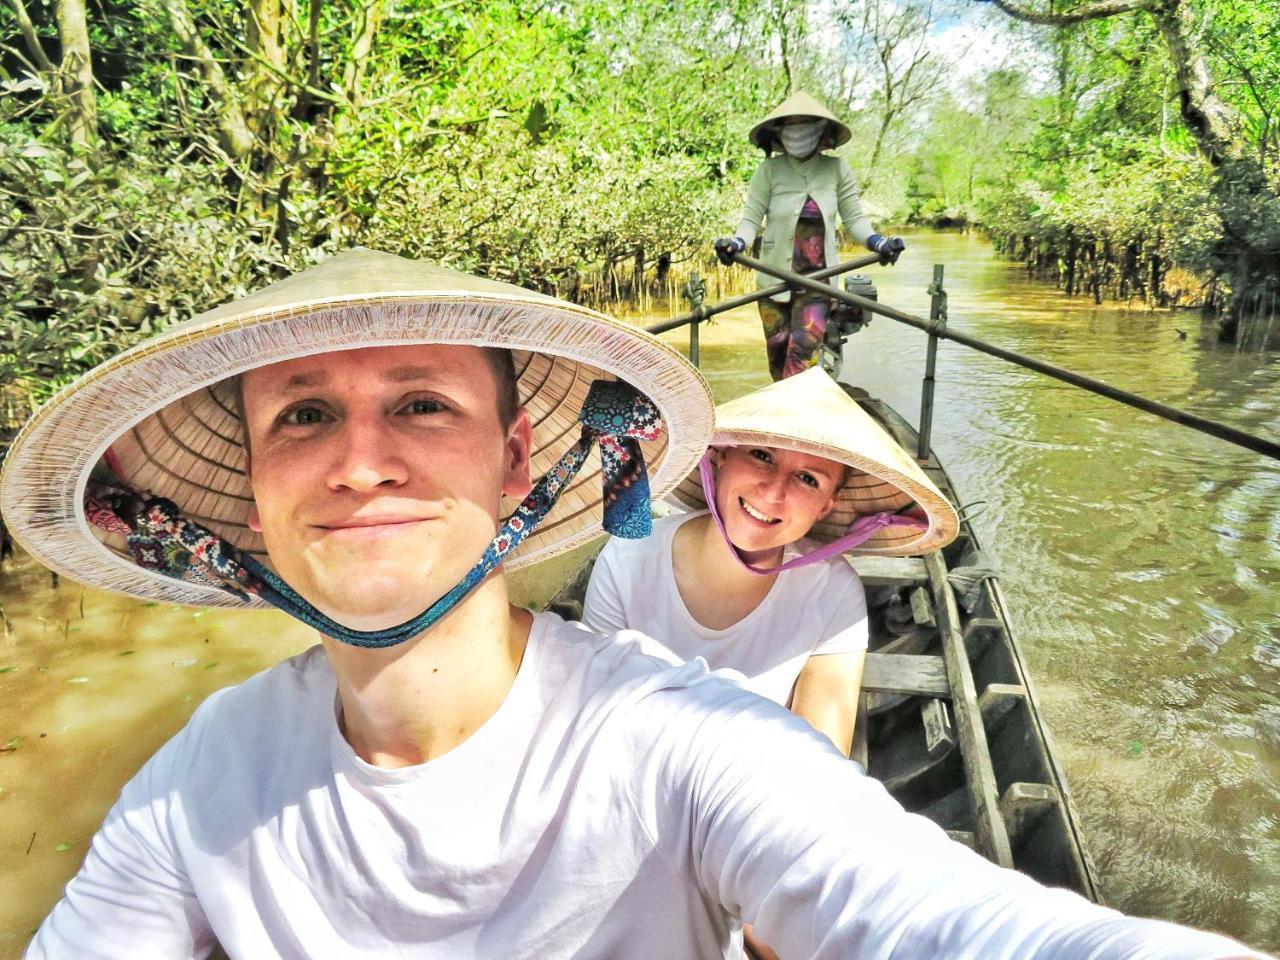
x=860, y=531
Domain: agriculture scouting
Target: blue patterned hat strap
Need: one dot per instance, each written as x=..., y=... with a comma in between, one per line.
x=614, y=413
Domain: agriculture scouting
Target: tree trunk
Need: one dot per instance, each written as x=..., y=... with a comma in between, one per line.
x=77, y=73
x=1214, y=124
x=304, y=108
x=1073, y=251
x=784, y=46
x=233, y=132
x=32, y=39
x=266, y=69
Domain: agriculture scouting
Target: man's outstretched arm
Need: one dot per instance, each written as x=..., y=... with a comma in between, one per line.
x=791, y=837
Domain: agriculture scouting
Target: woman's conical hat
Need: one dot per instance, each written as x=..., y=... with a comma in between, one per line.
x=799, y=104
x=812, y=414
x=165, y=413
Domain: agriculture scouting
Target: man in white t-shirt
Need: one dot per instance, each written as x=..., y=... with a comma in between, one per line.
x=491, y=783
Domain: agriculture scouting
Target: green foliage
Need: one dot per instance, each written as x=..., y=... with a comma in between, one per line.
x=971, y=157
x=1101, y=157
x=1244, y=47
x=1161, y=202
x=542, y=145
x=563, y=146
x=95, y=258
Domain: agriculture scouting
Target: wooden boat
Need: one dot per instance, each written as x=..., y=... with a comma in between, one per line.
x=947, y=719
x=951, y=722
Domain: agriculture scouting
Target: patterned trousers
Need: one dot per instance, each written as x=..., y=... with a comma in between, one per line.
x=793, y=332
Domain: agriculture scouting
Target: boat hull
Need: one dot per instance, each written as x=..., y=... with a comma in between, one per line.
x=948, y=719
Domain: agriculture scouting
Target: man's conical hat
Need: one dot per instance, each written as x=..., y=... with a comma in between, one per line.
x=799, y=104
x=812, y=414
x=164, y=415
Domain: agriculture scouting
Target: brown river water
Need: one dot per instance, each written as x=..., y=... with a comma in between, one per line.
x=1141, y=561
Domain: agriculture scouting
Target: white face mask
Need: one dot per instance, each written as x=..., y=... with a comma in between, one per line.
x=799, y=140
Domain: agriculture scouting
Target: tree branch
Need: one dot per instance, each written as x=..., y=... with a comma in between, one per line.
x=1212, y=122
x=1091, y=11
x=31, y=38
x=368, y=23
x=237, y=138
x=77, y=72
x=280, y=74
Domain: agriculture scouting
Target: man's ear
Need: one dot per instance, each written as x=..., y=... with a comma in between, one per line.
x=519, y=449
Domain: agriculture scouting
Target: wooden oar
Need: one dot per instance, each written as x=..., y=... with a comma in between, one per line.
x=1268, y=448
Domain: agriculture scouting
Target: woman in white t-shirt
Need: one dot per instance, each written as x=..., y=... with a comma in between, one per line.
x=756, y=580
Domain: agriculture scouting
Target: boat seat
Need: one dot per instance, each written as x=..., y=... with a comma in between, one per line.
x=997, y=699
x=921, y=675
x=875, y=571
x=1023, y=805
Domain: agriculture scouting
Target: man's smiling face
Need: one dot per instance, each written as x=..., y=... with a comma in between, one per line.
x=377, y=474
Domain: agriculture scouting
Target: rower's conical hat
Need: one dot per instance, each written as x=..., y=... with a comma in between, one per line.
x=168, y=414
x=811, y=413
x=799, y=104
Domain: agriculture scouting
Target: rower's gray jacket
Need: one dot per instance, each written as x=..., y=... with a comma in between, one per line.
x=777, y=192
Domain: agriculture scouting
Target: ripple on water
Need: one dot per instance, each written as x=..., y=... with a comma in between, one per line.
x=1142, y=565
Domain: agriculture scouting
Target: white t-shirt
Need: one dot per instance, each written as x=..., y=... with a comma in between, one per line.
x=809, y=611
x=612, y=807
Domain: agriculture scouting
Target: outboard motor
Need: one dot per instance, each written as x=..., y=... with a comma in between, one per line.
x=845, y=320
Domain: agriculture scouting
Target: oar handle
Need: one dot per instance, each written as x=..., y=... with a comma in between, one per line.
x=695, y=316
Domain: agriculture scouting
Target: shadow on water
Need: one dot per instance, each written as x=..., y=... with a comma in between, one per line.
x=1141, y=561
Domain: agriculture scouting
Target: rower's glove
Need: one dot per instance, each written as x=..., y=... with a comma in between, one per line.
x=889, y=248
x=726, y=247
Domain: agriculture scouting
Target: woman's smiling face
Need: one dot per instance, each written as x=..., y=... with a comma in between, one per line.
x=769, y=497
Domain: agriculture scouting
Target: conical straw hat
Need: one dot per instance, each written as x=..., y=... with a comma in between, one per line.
x=167, y=412
x=812, y=414
x=799, y=104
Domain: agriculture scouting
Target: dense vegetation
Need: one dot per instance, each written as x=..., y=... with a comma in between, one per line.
x=158, y=156
x=1148, y=165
